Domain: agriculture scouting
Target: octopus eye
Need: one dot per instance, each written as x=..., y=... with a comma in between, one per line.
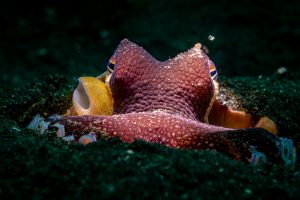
x=213, y=70
x=111, y=64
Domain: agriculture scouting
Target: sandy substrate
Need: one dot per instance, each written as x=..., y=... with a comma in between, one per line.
x=39, y=166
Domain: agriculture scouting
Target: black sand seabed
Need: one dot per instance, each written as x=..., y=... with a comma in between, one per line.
x=252, y=40
x=39, y=166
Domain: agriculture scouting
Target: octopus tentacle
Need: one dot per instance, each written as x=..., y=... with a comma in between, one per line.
x=177, y=132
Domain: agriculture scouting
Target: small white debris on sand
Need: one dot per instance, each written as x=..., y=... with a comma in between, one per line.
x=38, y=124
x=281, y=70
x=129, y=151
x=211, y=38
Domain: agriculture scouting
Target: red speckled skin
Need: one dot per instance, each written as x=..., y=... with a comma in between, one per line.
x=179, y=86
x=165, y=103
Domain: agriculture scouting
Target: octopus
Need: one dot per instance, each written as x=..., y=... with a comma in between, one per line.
x=172, y=103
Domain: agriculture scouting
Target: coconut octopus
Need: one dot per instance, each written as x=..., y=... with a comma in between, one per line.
x=172, y=103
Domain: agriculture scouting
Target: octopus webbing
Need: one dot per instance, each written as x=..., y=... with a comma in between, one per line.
x=171, y=103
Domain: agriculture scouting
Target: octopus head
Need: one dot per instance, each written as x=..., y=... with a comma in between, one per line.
x=184, y=85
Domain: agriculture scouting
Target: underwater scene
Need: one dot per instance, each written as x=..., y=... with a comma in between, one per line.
x=149, y=99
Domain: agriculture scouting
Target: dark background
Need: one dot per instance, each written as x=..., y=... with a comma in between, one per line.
x=71, y=38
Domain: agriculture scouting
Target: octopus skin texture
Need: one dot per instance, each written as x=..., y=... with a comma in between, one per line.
x=168, y=102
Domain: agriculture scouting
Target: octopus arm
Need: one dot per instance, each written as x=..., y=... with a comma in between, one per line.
x=248, y=145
